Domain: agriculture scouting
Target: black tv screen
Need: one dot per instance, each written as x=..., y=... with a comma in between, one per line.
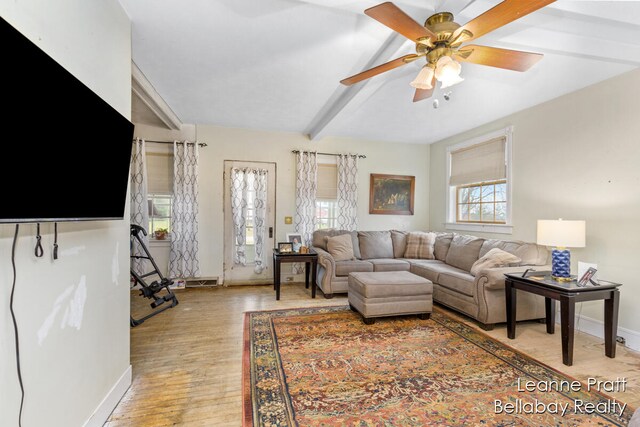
x=65, y=151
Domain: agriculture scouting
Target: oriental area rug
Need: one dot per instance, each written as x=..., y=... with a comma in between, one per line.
x=325, y=367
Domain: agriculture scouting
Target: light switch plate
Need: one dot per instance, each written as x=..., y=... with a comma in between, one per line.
x=288, y=220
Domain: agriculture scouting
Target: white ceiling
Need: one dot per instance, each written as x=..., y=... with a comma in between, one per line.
x=276, y=64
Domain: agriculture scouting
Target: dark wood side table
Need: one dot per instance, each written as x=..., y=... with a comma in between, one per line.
x=310, y=259
x=568, y=293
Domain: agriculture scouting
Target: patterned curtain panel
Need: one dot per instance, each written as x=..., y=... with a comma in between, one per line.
x=239, y=187
x=183, y=258
x=139, y=204
x=348, y=191
x=249, y=188
x=306, y=186
x=259, y=226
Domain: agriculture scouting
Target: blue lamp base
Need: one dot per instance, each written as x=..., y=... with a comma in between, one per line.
x=561, y=265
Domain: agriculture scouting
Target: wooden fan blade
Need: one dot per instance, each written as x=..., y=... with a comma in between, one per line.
x=515, y=60
x=379, y=69
x=393, y=17
x=424, y=93
x=502, y=14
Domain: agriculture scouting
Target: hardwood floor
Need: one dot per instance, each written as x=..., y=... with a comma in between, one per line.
x=187, y=360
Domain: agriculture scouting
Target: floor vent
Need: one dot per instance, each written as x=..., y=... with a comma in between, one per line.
x=200, y=282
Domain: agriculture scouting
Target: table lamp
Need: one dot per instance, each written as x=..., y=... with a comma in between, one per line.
x=561, y=235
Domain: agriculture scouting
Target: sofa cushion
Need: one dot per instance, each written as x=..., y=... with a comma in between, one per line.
x=459, y=281
x=319, y=242
x=399, y=242
x=420, y=245
x=340, y=247
x=343, y=268
x=464, y=251
x=441, y=247
x=529, y=253
x=492, y=259
x=375, y=244
x=389, y=264
x=431, y=269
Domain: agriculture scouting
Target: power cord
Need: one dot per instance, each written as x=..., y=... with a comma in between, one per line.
x=15, y=323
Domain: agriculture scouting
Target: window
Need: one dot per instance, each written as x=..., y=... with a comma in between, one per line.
x=482, y=202
x=159, y=187
x=327, y=196
x=159, y=212
x=479, y=185
x=326, y=214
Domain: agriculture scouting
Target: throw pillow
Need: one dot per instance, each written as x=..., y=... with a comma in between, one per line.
x=340, y=247
x=492, y=259
x=420, y=245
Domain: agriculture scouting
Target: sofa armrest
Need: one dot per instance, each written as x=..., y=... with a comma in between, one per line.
x=493, y=278
x=328, y=264
x=326, y=260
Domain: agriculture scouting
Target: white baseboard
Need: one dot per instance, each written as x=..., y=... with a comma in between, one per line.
x=596, y=328
x=110, y=401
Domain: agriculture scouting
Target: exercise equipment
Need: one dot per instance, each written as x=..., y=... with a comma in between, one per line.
x=150, y=290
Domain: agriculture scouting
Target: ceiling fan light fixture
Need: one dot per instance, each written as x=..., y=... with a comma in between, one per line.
x=450, y=82
x=423, y=79
x=448, y=71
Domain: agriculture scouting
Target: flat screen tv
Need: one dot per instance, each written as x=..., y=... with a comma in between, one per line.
x=65, y=152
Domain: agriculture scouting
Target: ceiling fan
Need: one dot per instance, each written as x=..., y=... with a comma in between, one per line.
x=440, y=41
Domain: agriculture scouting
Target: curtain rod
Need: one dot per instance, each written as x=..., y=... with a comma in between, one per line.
x=361, y=156
x=201, y=144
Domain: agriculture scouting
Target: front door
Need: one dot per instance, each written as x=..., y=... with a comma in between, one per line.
x=239, y=273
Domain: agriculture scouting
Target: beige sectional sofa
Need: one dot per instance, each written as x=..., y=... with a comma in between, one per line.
x=480, y=297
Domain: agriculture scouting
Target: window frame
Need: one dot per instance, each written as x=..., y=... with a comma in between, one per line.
x=451, y=218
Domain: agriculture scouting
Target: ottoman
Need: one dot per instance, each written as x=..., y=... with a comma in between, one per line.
x=389, y=293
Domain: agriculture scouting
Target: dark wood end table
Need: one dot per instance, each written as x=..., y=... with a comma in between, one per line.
x=310, y=260
x=568, y=293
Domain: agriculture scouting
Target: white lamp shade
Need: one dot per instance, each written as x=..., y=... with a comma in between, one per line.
x=423, y=79
x=448, y=71
x=561, y=233
x=450, y=81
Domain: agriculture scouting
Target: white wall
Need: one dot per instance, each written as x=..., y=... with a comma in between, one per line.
x=252, y=145
x=575, y=157
x=68, y=371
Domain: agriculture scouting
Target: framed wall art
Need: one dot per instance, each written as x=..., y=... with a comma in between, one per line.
x=391, y=194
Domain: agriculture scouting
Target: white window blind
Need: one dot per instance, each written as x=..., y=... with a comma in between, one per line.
x=159, y=173
x=327, y=182
x=479, y=163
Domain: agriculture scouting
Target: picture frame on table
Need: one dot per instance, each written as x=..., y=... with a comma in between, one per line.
x=391, y=194
x=296, y=240
x=285, y=247
x=587, y=277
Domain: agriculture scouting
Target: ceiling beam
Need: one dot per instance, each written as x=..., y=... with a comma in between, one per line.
x=143, y=88
x=343, y=95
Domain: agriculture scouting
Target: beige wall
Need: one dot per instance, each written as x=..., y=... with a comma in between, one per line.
x=252, y=145
x=68, y=369
x=575, y=157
